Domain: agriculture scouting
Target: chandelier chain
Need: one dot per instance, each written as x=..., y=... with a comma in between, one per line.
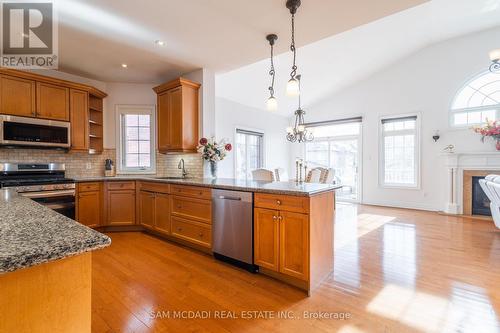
x=272, y=72
x=292, y=48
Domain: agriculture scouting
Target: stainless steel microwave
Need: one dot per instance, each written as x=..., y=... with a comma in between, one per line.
x=32, y=132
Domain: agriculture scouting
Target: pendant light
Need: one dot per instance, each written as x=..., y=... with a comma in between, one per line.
x=299, y=132
x=292, y=87
x=272, y=103
x=495, y=61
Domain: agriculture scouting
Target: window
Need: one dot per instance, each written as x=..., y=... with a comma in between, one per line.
x=477, y=101
x=337, y=145
x=400, y=152
x=136, y=153
x=249, y=153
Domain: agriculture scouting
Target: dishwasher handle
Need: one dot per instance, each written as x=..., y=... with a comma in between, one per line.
x=223, y=197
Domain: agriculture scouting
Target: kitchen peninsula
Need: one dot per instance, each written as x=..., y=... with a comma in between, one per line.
x=292, y=222
x=45, y=268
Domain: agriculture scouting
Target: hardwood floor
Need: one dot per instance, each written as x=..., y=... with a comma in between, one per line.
x=396, y=270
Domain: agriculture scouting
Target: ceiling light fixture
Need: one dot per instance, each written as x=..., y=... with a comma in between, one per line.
x=124, y=65
x=159, y=42
x=292, y=87
x=495, y=59
x=272, y=103
x=299, y=132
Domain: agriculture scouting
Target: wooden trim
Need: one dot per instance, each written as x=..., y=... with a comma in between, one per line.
x=176, y=83
x=47, y=79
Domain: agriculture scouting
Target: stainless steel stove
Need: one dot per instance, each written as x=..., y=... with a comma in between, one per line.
x=44, y=183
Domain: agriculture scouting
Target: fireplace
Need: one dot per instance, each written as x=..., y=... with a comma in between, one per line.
x=480, y=202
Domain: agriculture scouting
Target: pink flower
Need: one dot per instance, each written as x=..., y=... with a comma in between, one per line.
x=203, y=141
x=228, y=147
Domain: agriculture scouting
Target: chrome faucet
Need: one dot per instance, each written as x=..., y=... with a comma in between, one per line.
x=181, y=166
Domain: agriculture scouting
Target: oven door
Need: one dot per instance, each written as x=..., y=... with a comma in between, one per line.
x=61, y=201
x=22, y=131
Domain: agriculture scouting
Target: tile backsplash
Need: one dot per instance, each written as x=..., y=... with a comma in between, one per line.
x=85, y=165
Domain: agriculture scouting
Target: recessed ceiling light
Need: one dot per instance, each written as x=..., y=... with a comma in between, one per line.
x=124, y=65
x=159, y=42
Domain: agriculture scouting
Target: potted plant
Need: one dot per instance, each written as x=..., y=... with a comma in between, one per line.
x=490, y=129
x=213, y=152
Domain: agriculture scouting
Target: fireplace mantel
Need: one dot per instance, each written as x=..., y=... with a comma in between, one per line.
x=456, y=164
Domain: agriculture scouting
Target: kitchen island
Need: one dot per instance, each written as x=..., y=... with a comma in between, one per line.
x=45, y=268
x=292, y=222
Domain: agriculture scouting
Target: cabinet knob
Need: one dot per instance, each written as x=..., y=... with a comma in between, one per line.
x=274, y=218
x=278, y=202
x=179, y=229
x=280, y=218
x=201, y=234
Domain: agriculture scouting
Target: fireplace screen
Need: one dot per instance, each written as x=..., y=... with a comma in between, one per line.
x=480, y=202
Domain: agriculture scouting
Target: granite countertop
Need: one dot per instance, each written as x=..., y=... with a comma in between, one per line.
x=31, y=234
x=287, y=188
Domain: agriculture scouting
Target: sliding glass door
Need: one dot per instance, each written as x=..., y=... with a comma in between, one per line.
x=338, y=146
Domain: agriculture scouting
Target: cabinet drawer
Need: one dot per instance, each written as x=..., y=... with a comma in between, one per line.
x=192, y=209
x=127, y=185
x=282, y=202
x=193, y=232
x=154, y=187
x=191, y=191
x=88, y=187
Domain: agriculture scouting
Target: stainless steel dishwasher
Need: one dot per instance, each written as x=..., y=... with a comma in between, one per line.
x=232, y=227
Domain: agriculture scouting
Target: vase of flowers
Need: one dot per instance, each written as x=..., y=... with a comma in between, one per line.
x=490, y=129
x=213, y=152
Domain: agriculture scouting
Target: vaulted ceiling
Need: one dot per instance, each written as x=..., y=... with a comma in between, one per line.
x=96, y=37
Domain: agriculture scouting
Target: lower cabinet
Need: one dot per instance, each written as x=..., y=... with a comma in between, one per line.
x=192, y=231
x=120, y=203
x=154, y=211
x=89, y=204
x=281, y=241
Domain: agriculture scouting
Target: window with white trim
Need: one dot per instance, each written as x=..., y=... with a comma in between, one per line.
x=136, y=139
x=477, y=102
x=249, y=153
x=400, y=152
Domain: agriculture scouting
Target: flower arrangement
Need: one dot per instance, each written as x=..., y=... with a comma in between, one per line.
x=490, y=129
x=212, y=150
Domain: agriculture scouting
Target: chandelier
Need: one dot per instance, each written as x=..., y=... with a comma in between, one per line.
x=272, y=103
x=299, y=132
x=495, y=61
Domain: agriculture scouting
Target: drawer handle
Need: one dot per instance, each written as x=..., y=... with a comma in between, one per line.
x=179, y=206
x=278, y=202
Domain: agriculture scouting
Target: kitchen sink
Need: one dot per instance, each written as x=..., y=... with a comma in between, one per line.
x=171, y=178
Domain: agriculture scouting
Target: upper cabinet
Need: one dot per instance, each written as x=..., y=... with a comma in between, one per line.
x=27, y=94
x=178, y=116
x=17, y=96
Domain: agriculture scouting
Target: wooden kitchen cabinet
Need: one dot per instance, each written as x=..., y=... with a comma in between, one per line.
x=17, y=96
x=162, y=213
x=52, y=101
x=120, y=203
x=266, y=238
x=281, y=238
x=89, y=204
x=79, y=120
x=178, y=116
x=154, y=206
x=146, y=209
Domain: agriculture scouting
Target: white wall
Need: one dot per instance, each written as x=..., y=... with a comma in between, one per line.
x=230, y=115
x=426, y=83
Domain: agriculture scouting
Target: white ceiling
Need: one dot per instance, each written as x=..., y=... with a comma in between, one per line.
x=96, y=36
x=341, y=60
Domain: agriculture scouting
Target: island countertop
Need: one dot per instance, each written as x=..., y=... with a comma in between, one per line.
x=31, y=234
x=286, y=188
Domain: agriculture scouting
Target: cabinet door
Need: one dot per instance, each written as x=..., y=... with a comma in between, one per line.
x=146, y=209
x=176, y=114
x=79, y=115
x=163, y=123
x=17, y=96
x=162, y=213
x=52, y=101
x=120, y=207
x=294, y=240
x=266, y=238
x=88, y=208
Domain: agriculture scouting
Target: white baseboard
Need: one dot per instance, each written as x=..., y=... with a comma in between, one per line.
x=407, y=205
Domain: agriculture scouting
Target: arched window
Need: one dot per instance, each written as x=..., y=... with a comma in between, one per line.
x=477, y=101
